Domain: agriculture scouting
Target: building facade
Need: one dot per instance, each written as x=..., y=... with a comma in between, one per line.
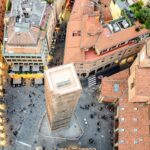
x=62, y=92
x=28, y=33
x=95, y=46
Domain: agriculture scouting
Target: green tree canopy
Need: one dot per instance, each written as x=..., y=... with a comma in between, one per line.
x=49, y=1
x=137, y=6
x=144, y=16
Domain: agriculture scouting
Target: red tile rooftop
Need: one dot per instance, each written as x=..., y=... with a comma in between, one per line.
x=132, y=130
x=84, y=31
x=107, y=14
x=139, y=80
x=91, y=55
x=134, y=121
x=105, y=2
x=115, y=86
x=115, y=38
x=142, y=82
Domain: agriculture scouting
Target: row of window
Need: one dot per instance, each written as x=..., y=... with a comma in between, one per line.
x=23, y=57
x=124, y=43
x=98, y=70
x=20, y=60
x=111, y=57
x=40, y=64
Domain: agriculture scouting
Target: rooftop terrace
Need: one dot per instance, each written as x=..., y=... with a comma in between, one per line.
x=63, y=79
x=28, y=11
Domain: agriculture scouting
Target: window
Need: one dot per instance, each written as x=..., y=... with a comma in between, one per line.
x=129, y=51
x=113, y=47
x=76, y=33
x=107, y=66
x=104, y=51
x=83, y=74
x=122, y=43
x=92, y=73
x=132, y=85
x=99, y=69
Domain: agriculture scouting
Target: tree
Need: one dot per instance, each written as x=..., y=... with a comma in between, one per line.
x=137, y=6
x=143, y=15
x=49, y=1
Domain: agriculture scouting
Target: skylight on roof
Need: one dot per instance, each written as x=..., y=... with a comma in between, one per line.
x=116, y=87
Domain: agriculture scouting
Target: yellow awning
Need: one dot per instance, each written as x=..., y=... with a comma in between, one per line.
x=2, y=106
x=123, y=61
x=2, y=127
x=3, y=143
x=50, y=57
x=27, y=76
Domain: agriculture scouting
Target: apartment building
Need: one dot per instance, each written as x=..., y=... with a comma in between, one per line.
x=132, y=115
x=28, y=32
x=94, y=45
x=62, y=92
x=2, y=13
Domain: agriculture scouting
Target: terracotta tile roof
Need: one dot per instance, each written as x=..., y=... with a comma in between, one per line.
x=132, y=130
x=29, y=37
x=140, y=71
x=106, y=2
x=134, y=121
x=85, y=20
x=142, y=80
x=72, y=42
x=107, y=14
x=25, y=42
x=91, y=55
x=108, y=84
x=91, y=28
x=80, y=8
x=112, y=38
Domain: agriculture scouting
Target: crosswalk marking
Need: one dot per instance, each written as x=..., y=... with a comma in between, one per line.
x=91, y=81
